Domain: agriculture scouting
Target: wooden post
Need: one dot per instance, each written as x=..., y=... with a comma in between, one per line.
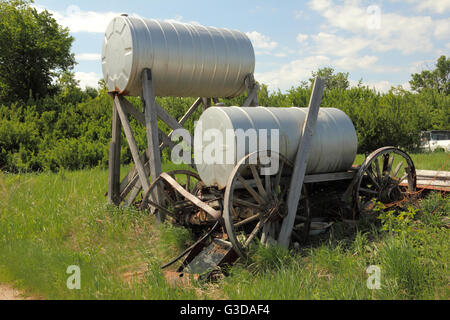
x=133, y=145
x=114, y=160
x=151, y=120
x=150, y=162
x=301, y=161
x=252, y=92
x=206, y=103
x=130, y=186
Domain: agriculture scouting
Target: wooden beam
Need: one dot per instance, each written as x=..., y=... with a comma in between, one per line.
x=301, y=161
x=167, y=118
x=329, y=177
x=191, y=110
x=130, y=184
x=251, y=99
x=206, y=103
x=252, y=91
x=140, y=117
x=132, y=179
x=133, y=145
x=151, y=120
x=114, y=160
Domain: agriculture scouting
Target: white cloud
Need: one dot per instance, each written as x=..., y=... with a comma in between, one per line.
x=435, y=6
x=302, y=37
x=88, y=57
x=261, y=41
x=382, y=86
x=300, y=14
x=327, y=43
x=78, y=20
x=407, y=34
x=352, y=63
x=180, y=19
x=87, y=79
x=291, y=74
x=442, y=29
x=419, y=66
x=263, y=45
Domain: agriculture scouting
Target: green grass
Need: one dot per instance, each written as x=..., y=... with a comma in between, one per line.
x=423, y=161
x=51, y=221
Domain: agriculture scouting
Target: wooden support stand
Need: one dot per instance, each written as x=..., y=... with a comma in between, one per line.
x=301, y=161
x=114, y=160
x=148, y=163
x=252, y=92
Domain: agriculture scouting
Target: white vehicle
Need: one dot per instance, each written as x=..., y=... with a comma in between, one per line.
x=432, y=140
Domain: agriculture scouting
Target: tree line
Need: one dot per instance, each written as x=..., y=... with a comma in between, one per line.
x=48, y=123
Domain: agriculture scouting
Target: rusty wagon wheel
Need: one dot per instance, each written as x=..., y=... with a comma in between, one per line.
x=173, y=204
x=255, y=199
x=388, y=175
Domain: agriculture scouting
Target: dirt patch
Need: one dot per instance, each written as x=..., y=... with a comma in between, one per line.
x=9, y=293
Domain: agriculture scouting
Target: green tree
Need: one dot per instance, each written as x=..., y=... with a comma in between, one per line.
x=34, y=50
x=333, y=81
x=438, y=78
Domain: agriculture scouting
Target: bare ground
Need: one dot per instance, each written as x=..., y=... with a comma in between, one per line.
x=7, y=292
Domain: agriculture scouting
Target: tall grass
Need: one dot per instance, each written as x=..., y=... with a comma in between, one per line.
x=423, y=161
x=51, y=221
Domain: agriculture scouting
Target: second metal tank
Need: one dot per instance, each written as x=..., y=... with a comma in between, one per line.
x=186, y=60
x=334, y=144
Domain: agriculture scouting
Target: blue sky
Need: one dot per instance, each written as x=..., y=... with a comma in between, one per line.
x=381, y=42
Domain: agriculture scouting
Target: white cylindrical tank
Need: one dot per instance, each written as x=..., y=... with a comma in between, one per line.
x=186, y=60
x=334, y=143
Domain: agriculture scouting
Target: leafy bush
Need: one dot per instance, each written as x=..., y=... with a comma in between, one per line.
x=72, y=129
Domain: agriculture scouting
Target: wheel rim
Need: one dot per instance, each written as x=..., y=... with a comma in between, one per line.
x=255, y=204
x=382, y=177
x=173, y=204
